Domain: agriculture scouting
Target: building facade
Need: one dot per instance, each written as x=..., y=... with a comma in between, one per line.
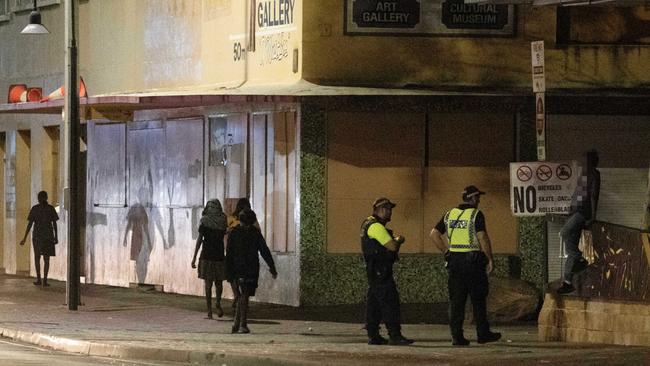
x=312, y=110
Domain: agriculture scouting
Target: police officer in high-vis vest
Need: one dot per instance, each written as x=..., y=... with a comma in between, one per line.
x=462, y=236
x=380, y=247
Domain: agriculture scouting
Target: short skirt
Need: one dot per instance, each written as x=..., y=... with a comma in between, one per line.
x=44, y=248
x=247, y=285
x=212, y=270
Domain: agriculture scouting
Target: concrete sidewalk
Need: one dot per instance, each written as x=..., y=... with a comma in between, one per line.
x=149, y=325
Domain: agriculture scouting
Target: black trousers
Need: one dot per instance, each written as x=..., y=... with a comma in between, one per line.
x=382, y=304
x=467, y=276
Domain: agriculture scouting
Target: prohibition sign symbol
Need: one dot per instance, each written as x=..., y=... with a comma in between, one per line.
x=544, y=173
x=524, y=173
x=563, y=171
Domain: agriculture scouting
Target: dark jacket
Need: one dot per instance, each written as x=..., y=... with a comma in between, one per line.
x=379, y=260
x=242, y=260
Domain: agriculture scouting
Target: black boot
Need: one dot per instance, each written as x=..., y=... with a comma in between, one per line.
x=459, y=341
x=395, y=337
x=374, y=338
x=489, y=337
x=237, y=319
x=399, y=340
x=244, y=318
x=236, y=322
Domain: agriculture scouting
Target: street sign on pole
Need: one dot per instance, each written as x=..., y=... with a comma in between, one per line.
x=537, y=57
x=540, y=126
x=539, y=87
x=540, y=188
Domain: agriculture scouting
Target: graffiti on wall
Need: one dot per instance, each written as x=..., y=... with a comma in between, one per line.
x=274, y=48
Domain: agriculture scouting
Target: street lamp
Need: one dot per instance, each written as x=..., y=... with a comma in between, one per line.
x=35, y=26
x=71, y=126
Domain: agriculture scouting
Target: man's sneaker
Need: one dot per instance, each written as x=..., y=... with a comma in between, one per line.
x=579, y=266
x=37, y=282
x=400, y=340
x=377, y=340
x=565, y=288
x=459, y=341
x=489, y=337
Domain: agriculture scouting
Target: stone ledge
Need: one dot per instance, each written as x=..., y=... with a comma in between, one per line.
x=576, y=319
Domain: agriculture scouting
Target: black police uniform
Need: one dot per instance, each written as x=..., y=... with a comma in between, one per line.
x=382, y=298
x=467, y=276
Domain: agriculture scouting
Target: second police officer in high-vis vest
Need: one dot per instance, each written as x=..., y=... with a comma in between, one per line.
x=468, y=255
x=380, y=247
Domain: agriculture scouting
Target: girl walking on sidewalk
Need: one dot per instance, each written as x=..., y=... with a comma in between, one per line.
x=212, y=229
x=243, y=266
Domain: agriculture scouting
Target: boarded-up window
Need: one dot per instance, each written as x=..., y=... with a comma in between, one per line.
x=422, y=163
x=146, y=156
x=227, y=161
x=4, y=10
x=184, y=162
x=471, y=148
x=273, y=177
x=373, y=155
x=107, y=164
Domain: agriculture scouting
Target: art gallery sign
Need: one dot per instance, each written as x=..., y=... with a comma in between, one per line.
x=427, y=17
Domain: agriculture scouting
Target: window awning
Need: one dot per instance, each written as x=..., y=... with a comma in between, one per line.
x=210, y=96
x=206, y=96
x=132, y=102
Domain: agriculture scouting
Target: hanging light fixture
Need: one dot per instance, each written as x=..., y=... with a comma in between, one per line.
x=35, y=26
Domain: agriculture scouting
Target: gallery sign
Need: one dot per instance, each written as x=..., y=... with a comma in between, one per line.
x=540, y=188
x=427, y=17
x=458, y=15
x=386, y=14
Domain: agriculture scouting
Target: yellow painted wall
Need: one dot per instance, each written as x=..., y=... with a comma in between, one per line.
x=182, y=43
x=332, y=57
x=130, y=46
x=135, y=46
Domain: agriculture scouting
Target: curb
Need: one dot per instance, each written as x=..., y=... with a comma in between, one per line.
x=129, y=352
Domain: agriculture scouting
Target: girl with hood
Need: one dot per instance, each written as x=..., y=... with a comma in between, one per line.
x=212, y=229
x=245, y=241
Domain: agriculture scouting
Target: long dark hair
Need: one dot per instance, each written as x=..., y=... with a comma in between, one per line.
x=242, y=204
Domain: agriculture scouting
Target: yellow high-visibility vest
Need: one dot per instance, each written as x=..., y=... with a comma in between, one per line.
x=461, y=230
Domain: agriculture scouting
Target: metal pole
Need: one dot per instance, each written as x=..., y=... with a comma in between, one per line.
x=72, y=135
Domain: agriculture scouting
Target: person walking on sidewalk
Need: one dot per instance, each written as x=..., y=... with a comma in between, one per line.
x=233, y=222
x=380, y=247
x=212, y=229
x=469, y=262
x=43, y=217
x=245, y=241
x=583, y=213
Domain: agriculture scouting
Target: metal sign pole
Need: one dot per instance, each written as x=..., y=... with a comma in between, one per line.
x=72, y=135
